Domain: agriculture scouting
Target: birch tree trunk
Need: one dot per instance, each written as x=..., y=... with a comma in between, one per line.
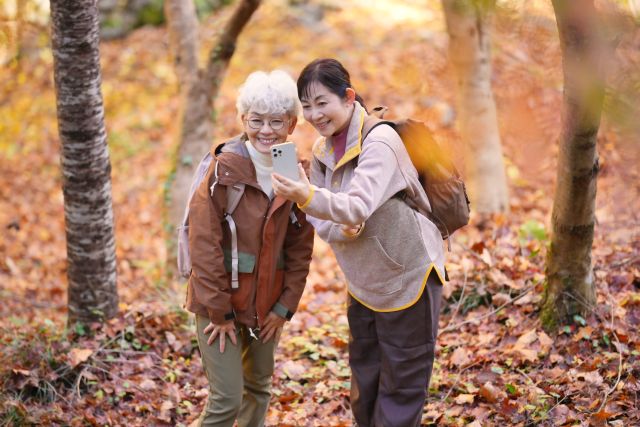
x=86, y=170
x=570, y=287
x=469, y=28
x=199, y=88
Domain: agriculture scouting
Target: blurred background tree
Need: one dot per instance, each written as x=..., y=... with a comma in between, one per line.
x=120, y=17
x=199, y=87
x=586, y=53
x=469, y=28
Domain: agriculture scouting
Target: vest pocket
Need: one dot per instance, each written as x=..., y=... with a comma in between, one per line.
x=367, y=265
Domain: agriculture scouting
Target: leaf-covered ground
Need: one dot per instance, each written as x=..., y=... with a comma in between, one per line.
x=495, y=365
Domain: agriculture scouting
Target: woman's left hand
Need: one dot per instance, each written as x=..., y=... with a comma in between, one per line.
x=272, y=324
x=297, y=191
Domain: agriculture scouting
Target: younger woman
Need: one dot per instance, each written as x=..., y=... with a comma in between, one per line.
x=365, y=200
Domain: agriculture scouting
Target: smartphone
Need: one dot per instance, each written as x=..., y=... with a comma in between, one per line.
x=285, y=160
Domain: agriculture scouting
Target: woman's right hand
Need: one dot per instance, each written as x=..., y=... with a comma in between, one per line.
x=296, y=191
x=222, y=330
x=351, y=230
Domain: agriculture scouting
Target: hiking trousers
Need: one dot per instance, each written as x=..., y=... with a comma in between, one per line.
x=239, y=378
x=391, y=357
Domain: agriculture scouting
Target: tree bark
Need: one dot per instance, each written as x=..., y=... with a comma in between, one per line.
x=199, y=88
x=570, y=287
x=86, y=170
x=469, y=28
x=20, y=24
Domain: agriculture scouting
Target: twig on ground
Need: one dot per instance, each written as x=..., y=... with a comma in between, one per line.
x=455, y=312
x=618, y=264
x=459, y=375
x=620, y=361
x=476, y=319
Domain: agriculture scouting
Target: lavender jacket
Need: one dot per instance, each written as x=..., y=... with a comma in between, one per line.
x=387, y=264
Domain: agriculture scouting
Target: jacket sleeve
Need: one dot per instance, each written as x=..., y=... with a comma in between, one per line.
x=298, y=246
x=376, y=179
x=327, y=230
x=209, y=280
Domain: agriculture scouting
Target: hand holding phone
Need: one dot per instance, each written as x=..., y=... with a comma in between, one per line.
x=285, y=160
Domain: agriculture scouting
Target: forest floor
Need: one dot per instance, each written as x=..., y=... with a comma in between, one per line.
x=495, y=365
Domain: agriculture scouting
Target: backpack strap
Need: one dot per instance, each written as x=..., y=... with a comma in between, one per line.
x=371, y=122
x=234, y=194
x=294, y=218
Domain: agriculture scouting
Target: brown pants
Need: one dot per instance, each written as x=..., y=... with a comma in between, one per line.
x=391, y=357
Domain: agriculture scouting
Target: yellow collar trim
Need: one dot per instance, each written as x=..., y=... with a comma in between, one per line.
x=354, y=151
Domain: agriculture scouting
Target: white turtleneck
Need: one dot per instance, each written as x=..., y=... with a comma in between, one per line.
x=264, y=167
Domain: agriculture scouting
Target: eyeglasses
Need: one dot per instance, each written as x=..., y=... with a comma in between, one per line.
x=275, y=124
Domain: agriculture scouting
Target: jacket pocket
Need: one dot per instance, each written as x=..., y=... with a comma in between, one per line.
x=246, y=261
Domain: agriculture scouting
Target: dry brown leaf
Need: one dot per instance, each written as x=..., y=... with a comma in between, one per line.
x=294, y=370
x=489, y=392
x=545, y=341
x=500, y=299
x=583, y=333
x=461, y=399
x=460, y=356
x=79, y=355
x=147, y=384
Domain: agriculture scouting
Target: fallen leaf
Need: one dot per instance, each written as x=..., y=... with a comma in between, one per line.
x=165, y=410
x=294, y=370
x=460, y=356
x=545, y=341
x=583, y=333
x=489, y=392
x=147, y=384
x=79, y=355
x=461, y=399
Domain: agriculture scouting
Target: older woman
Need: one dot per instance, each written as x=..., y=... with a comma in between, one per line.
x=273, y=243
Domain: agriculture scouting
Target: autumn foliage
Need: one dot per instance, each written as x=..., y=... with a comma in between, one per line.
x=494, y=364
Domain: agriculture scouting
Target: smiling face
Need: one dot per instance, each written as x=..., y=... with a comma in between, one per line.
x=326, y=111
x=260, y=129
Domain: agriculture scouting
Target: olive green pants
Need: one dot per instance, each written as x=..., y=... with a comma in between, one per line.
x=239, y=378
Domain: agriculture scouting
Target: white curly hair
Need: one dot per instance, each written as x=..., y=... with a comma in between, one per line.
x=269, y=93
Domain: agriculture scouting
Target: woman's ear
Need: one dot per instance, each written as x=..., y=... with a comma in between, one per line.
x=350, y=95
x=292, y=124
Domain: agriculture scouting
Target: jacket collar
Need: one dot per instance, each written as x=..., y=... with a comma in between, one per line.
x=323, y=150
x=235, y=162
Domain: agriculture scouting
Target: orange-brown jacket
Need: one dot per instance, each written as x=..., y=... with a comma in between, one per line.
x=274, y=251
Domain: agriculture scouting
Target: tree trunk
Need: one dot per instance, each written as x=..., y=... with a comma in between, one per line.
x=86, y=170
x=199, y=88
x=469, y=27
x=570, y=288
x=20, y=24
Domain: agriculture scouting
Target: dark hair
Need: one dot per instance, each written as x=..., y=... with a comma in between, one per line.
x=330, y=73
